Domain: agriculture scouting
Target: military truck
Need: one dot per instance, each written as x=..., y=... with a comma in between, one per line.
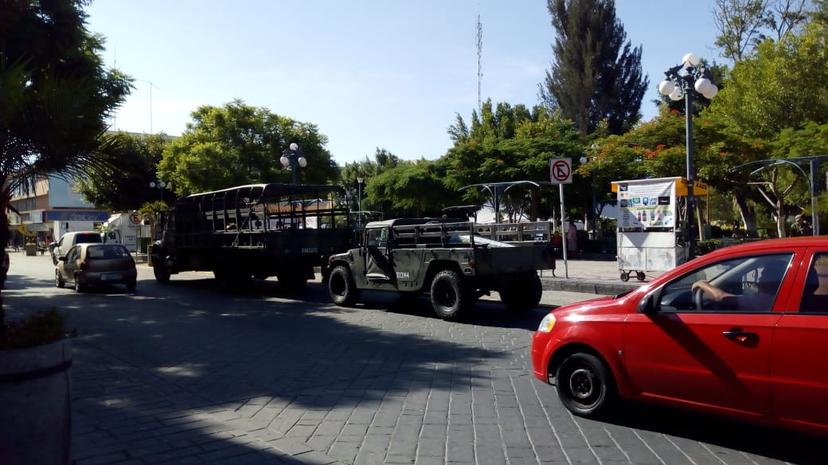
x=254, y=231
x=451, y=261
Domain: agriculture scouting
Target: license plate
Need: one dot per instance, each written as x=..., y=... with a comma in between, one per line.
x=110, y=277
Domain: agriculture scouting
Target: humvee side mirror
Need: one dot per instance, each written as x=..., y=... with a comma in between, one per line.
x=62, y=258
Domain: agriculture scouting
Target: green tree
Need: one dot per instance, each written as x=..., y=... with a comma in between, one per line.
x=367, y=169
x=240, y=144
x=743, y=24
x=782, y=86
x=123, y=184
x=596, y=74
x=54, y=96
x=512, y=143
x=411, y=188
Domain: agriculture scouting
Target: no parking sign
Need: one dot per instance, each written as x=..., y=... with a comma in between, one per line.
x=560, y=171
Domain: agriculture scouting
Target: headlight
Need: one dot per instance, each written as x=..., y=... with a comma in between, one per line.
x=546, y=323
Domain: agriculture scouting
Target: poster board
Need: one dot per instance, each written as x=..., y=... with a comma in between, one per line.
x=646, y=204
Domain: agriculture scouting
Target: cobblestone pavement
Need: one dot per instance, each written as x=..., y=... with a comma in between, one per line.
x=187, y=374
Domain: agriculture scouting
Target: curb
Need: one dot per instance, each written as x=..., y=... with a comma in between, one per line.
x=587, y=286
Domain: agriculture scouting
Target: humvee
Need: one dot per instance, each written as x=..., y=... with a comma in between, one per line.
x=451, y=261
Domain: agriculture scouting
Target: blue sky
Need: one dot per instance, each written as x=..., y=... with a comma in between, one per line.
x=370, y=74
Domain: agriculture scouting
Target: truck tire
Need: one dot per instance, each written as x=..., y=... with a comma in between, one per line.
x=162, y=274
x=341, y=287
x=522, y=293
x=293, y=281
x=449, y=295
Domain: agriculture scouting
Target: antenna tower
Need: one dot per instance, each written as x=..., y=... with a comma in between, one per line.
x=479, y=62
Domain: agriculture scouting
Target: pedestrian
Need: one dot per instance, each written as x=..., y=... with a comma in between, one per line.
x=572, y=238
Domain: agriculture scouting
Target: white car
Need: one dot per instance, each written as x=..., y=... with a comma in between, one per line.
x=70, y=239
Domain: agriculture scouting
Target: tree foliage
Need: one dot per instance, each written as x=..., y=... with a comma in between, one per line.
x=123, y=184
x=367, y=169
x=409, y=189
x=744, y=24
x=596, y=74
x=782, y=86
x=54, y=96
x=512, y=143
x=240, y=144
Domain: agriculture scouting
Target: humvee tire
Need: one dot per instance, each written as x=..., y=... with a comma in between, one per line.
x=449, y=296
x=341, y=287
x=522, y=293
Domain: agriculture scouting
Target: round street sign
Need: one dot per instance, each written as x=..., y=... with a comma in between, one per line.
x=560, y=171
x=135, y=218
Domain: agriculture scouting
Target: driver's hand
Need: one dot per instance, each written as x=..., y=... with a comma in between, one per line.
x=696, y=285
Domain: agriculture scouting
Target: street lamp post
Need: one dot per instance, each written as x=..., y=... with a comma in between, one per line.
x=293, y=158
x=683, y=81
x=160, y=185
x=360, y=180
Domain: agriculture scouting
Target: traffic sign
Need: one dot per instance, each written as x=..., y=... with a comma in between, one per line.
x=560, y=171
x=135, y=218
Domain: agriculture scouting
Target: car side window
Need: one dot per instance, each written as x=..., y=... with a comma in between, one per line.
x=745, y=284
x=815, y=294
x=72, y=255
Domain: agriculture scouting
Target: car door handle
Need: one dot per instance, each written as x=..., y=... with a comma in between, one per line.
x=743, y=337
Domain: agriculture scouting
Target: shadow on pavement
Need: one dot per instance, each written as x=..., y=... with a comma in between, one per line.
x=187, y=369
x=784, y=445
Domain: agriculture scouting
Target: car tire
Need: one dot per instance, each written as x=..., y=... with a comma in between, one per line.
x=162, y=274
x=341, y=287
x=79, y=288
x=522, y=293
x=585, y=385
x=449, y=296
x=59, y=282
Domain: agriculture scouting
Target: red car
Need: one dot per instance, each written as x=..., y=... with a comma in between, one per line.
x=741, y=332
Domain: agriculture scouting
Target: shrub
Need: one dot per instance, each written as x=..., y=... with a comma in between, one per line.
x=41, y=328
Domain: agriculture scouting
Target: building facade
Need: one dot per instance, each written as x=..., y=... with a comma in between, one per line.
x=52, y=208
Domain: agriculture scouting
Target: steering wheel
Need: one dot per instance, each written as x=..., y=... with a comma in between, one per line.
x=698, y=294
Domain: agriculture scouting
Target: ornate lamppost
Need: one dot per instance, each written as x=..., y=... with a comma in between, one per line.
x=160, y=185
x=684, y=81
x=293, y=158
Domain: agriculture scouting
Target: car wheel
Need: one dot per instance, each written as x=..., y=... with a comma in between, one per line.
x=584, y=385
x=449, y=296
x=78, y=286
x=341, y=287
x=522, y=293
x=59, y=282
x=162, y=274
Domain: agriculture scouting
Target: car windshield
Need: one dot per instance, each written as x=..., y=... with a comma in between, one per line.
x=87, y=238
x=107, y=251
x=466, y=239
